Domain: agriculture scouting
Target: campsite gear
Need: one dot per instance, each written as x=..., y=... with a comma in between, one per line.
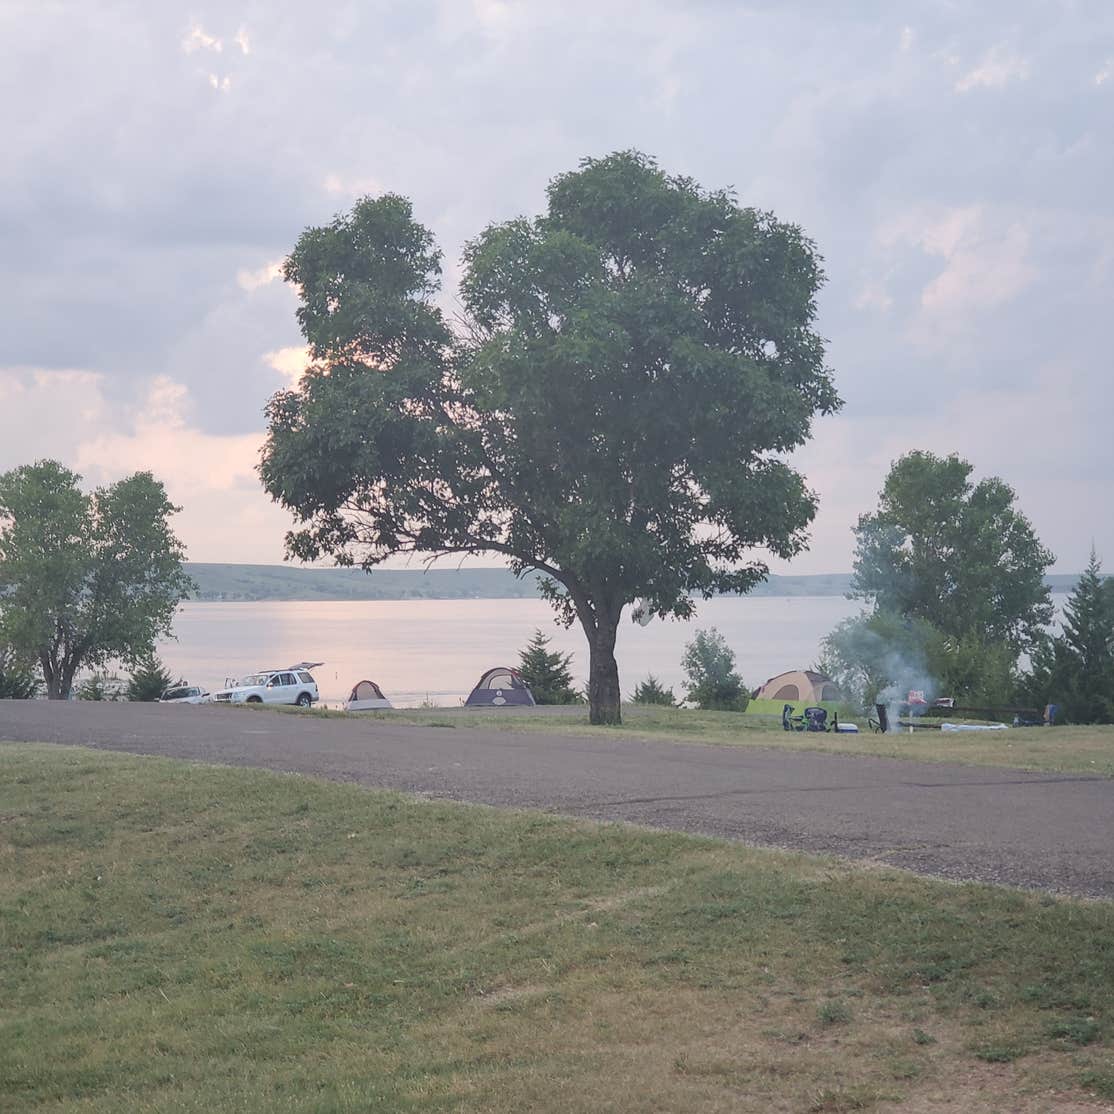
x=366, y=696
x=790, y=722
x=816, y=719
x=973, y=727
x=799, y=684
x=882, y=723
x=846, y=728
x=500, y=687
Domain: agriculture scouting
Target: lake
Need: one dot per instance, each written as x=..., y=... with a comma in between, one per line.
x=435, y=650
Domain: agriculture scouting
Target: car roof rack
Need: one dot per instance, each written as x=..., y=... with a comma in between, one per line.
x=305, y=665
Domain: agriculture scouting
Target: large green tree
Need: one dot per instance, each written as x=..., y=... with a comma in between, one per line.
x=957, y=554
x=613, y=409
x=85, y=578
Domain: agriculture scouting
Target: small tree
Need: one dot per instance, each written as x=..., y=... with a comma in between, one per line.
x=548, y=673
x=651, y=691
x=149, y=681
x=85, y=579
x=709, y=665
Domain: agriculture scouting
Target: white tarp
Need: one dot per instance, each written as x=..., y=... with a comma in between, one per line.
x=974, y=727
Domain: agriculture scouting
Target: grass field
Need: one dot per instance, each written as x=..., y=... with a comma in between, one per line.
x=1085, y=750
x=177, y=937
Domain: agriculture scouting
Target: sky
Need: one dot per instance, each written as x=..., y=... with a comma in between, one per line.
x=952, y=161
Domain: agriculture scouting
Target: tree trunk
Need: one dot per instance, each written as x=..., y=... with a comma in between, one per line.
x=52, y=677
x=68, y=672
x=603, y=674
x=58, y=676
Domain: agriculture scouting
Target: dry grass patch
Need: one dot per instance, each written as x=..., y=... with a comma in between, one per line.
x=186, y=938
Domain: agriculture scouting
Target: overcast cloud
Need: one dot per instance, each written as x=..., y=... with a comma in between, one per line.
x=953, y=162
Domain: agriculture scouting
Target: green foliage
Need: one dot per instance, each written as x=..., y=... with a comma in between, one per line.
x=547, y=672
x=149, y=681
x=651, y=691
x=977, y=673
x=18, y=678
x=633, y=367
x=952, y=553
x=833, y=1013
x=871, y=653
x=1075, y=669
x=86, y=579
x=709, y=665
x=100, y=686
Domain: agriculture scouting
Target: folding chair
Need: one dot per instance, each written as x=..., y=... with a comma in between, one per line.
x=882, y=723
x=790, y=722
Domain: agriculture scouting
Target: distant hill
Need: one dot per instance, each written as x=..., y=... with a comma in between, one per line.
x=288, y=582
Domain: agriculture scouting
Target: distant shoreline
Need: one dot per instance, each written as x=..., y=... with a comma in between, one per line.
x=221, y=583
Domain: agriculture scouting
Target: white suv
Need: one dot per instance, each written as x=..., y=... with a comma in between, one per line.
x=294, y=685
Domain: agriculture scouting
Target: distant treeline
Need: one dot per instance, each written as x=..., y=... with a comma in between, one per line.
x=285, y=582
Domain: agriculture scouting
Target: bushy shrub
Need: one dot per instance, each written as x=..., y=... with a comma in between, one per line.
x=709, y=665
x=651, y=691
x=100, y=686
x=18, y=679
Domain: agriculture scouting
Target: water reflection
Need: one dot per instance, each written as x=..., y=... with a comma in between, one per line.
x=436, y=649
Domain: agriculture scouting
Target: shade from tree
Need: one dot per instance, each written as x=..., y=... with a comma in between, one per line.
x=954, y=553
x=613, y=409
x=85, y=579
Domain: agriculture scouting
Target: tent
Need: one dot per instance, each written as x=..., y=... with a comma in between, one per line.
x=498, y=688
x=365, y=696
x=799, y=684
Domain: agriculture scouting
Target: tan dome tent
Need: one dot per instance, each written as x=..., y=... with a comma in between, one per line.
x=365, y=697
x=799, y=684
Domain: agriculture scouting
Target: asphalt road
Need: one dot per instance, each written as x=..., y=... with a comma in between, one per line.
x=1045, y=831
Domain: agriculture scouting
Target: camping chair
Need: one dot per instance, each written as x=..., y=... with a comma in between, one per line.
x=882, y=723
x=790, y=722
x=816, y=719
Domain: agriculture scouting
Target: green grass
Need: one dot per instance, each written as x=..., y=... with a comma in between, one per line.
x=1081, y=750
x=176, y=937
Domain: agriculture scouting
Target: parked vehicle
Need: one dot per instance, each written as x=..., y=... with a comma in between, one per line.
x=185, y=694
x=293, y=685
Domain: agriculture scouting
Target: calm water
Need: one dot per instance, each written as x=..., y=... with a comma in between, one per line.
x=437, y=649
